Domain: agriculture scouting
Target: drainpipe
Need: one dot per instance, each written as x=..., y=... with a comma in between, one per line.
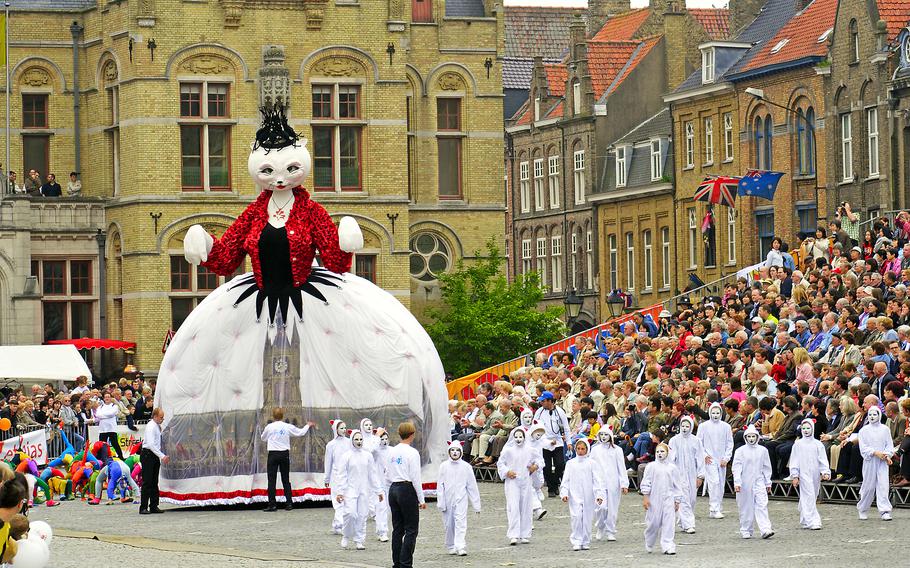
x=101, y=237
x=76, y=30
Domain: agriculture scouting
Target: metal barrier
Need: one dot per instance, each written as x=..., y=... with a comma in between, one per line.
x=55, y=443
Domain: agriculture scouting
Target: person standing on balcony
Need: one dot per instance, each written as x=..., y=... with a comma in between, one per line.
x=33, y=184
x=51, y=188
x=74, y=185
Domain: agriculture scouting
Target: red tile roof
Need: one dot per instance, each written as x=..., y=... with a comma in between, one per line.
x=606, y=59
x=716, y=21
x=557, y=75
x=556, y=112
x=637, y=56
x=525, y=115
x=622, y=26
x=801, y=35
x=896, y=14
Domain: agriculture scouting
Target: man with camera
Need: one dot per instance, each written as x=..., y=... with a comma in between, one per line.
x=849, y=222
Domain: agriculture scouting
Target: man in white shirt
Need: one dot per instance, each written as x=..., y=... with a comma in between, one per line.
x=106, y=415
x=553, y=442
x=405, y=496
x=151, y=459
x=278, y=435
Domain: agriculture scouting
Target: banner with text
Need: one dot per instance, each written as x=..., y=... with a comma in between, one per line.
x=34, y=444
x=126, y=437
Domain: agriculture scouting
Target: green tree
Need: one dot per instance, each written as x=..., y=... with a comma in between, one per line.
x=484, y=319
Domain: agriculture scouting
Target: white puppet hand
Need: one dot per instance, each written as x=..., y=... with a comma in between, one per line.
x=197, y=244
x=350, y=238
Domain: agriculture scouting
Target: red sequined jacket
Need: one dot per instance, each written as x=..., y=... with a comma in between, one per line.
x=309, y=228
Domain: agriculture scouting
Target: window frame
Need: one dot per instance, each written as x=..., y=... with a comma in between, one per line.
x=689, y=133
x=457, y=135
x=731, y=236
x=204, y=123
x=553, y=180
x=524, y=186
x=846, y=147
x=334, y=125
x=707, y=65
x=576, y=97
x=613, y=253
x=526, y=256
x=648, y=246
x=692, y=219
x=578, y=178
x=539, y=204
x=762, y=237
x=872, y=140
x=589, y=259
x=620, y=162
x=373, y=259
x=630, y=261
x=656, y=159
x=666, y=264
x=44, y=112
x=194, y=293
x=708, y=124
x=854, y=41
x=541, y=260
x=68, y=298
x=728, y=137
x=556, y=262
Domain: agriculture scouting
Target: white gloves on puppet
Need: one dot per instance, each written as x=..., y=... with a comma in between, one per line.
x=350, y=238
x=197, y=244
x=34, y=551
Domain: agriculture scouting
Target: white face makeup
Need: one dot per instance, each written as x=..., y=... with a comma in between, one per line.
x=751, y=439
x=367, y=425
x=282, y=169
x=537, y=434
x=384, y=441
x=604, y=437
x=455, y=453
x=685, y=427
x=357, y=440
x=527, y=418
x=661, y=453
x=341, y=429
x=807, y=429
x=875, y=415
x=519, y=437
x=715, y=413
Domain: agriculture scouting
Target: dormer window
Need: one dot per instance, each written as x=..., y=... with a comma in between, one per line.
x=707, y=65
x=576, y=97
x=657, y=165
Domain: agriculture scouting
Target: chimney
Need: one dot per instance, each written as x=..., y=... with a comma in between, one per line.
x=577, y=39
x=599, y=11
x=675, y=40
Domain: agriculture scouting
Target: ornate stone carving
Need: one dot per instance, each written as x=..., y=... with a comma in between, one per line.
x=337, y=67
x=206, y=65
x=109, y=72
x=274, y=78
x=36, y=77
x=315, y=14
x=145, y=13
x=396, y=11
x=450, y=81
x=233, y=9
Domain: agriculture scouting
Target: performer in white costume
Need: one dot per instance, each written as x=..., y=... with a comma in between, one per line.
x=357, y=483
x=527, y=418
x=717, y=440
x=662, y=495
x=876, y=447
x=688, y=454
x=456, y=486
x=381, y=506
x=808, y=468
x=334, y=451
x=536, y=431
x=611, y=463
x=316, y=340
x=752, y=483
x=583, y=489
x=519, y=466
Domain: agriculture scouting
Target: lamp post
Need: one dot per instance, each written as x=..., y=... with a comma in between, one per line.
x=573, y=307
x=615, y=304
x=760, y=95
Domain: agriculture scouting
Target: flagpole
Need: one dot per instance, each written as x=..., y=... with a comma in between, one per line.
x=6, y=65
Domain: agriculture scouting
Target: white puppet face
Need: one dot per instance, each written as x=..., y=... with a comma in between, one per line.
x=455, y=452
x=537, y=434
x=341, y=429
x=715, y=413
x=875, y=415
x=384, y=440
x=604, y=437
x=519, y=437
x=751, y=439
x=367, y=425
x=807, y=430
x=661, y=453
x=282, y=169
x=357, y=440
x=685, y=427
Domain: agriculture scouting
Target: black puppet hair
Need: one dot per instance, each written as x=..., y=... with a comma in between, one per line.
x=275, y=132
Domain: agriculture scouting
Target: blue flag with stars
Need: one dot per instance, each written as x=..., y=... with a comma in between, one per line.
x=759, y=183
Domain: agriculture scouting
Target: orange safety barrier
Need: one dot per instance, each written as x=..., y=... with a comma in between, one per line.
x=463, y=387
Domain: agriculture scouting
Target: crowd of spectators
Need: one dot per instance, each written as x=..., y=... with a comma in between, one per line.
x=36, y=186
x=823, y=333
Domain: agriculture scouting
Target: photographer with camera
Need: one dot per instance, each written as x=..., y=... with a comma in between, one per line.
x=849, y=222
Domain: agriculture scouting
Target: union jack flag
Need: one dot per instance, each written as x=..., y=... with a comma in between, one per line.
x=720, y=190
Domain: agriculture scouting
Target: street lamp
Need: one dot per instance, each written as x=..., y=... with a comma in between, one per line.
x=573, y=305
x=759, y=94
x=615, y=304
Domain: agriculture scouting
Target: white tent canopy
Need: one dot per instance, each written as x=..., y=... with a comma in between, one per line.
x=32, y=363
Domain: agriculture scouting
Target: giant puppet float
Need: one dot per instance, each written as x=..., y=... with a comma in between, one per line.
x=316, y=340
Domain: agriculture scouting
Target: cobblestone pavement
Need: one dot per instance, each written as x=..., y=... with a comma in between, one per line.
x=242, y=537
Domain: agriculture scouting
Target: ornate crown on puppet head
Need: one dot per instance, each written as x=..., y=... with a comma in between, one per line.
x=275, y=132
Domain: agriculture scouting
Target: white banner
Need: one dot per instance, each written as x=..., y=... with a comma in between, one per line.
x=126, y=437
x=34, y=444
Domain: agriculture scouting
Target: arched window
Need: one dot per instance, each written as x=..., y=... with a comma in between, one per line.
x=854, y=41
x=805, y=140
x=768, y=151
x=758, y=132
x=430, y=256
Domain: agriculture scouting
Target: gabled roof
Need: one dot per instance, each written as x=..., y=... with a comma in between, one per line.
x=716, y=21
x=465, y=8
x=557, y=75
x=896, y=14
x=606, y=60
x=799, y=39
x=622, y=26
x=532, y=31
x=637, y=57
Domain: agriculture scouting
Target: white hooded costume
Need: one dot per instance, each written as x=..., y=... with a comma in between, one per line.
x=381, y=506
x=518, y=456
x=339, y=445
x=875, y=437
x=752, y=480
x=583, y=488
x=661, y=486
x=717, y=440
x=537, y=432
x=808, y=467
x=455, y=486
x=612, y=466
x=357, y=483
x=688, y=455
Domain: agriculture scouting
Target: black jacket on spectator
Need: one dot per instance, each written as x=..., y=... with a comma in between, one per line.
x=51, y=190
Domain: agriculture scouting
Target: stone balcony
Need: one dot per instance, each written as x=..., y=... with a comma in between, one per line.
x=52, y=214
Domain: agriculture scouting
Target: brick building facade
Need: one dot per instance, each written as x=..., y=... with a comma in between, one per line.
x=401, y=105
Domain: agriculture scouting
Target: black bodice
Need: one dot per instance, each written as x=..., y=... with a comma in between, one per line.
x=275, y=260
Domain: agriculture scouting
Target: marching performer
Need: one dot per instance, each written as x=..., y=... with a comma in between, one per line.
x=808, y=467
x=687, y=453
x=381, y=505
x=717, y=440
x=520, y=468
x=876, y=447
x=357, y=483
x=456, y=486
x=611, y=464
x=537, y=432
x=582, y=488
x=752, y=483
x=662, y=495
x=334, y=451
